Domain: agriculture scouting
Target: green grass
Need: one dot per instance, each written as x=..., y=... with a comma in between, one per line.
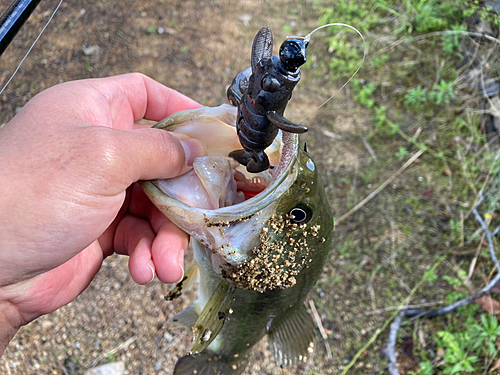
x=414, y=84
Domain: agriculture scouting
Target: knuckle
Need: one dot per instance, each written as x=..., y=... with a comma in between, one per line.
x=170, y=150
x=107, y=154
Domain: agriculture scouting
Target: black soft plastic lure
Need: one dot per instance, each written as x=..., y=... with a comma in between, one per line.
x=261, y=93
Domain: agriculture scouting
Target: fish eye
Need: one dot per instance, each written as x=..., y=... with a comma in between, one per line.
x=301, y=214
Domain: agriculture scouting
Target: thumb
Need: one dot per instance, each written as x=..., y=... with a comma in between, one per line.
x=146, y=154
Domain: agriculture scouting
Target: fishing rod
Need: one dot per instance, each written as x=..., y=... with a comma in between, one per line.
x=13, y=19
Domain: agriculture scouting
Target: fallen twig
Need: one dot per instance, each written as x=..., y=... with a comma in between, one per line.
x=392, y=308
x=369, y=148
x=486, y=232
x=380, y=188
x=391, y=346
x=317, y=319
x=62, y=367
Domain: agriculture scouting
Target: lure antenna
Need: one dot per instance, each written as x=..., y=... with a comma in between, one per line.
x=13, y=19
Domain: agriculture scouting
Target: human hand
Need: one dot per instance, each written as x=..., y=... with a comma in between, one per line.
x=69, y=161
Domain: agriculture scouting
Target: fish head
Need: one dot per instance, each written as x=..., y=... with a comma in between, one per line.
x=258, y=232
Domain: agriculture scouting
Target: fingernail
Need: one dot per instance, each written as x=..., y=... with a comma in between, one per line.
x=180, y=261
x=150, y=264
x=193, y=148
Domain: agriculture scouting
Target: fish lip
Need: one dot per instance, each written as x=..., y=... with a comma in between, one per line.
x=251, y=206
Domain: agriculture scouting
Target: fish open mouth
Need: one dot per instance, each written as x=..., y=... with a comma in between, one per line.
x=216, y=180
x=250, y=187
x=219, y=203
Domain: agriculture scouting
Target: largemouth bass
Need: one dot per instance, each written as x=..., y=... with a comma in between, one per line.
x=260, y=242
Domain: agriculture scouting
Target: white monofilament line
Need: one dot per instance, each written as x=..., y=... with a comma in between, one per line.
x=36, y=40
x=365, y=52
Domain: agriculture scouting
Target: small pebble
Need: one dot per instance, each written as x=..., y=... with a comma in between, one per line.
x=345, y=361
x=245, y=19
x=158, y=365
x=92, y=50
x=115, y=368
x=168, y=337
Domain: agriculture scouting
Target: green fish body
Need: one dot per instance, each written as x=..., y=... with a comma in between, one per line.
x=255, y=259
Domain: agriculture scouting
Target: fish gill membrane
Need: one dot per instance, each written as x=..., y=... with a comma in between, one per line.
x=260, y=242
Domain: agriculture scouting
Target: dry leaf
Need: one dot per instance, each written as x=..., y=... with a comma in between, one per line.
x=489, y=304
x=427, y=194
x=440, y=352
x=495, y=365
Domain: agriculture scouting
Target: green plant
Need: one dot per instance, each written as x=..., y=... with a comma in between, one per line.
x=455, y=226
x=442, y=93
x=87, y=64
x=426, y=368
x=456, y=283
x=430, y=276
x=368, y=176
x=383, y=122
x=476, y=341
x=364, y=93
x=456, y=348
x=416, y=98
x=402, y=153
x=379, y=61
x=485, y=335
x=287, y=29
x=451, y=40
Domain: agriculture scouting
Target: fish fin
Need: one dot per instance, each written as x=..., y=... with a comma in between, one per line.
x=212, y=318
x=293, y=337
x=284, y=124
x=191, y=276
x=187, y=317
x=208, y=363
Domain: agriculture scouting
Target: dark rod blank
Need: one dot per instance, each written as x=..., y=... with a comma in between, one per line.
x=13, y=19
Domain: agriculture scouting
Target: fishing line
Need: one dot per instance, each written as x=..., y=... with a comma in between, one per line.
x=36, y=40
x=307, y=38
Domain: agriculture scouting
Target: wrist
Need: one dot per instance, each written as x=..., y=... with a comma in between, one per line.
x=10, y=322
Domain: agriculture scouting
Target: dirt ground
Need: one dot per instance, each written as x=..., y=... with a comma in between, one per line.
x=197, y=47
